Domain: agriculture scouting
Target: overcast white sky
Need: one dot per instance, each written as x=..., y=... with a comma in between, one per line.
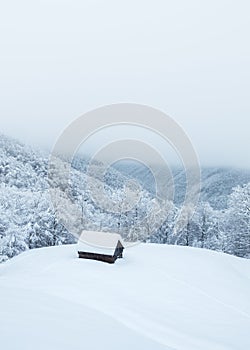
x=190, y=59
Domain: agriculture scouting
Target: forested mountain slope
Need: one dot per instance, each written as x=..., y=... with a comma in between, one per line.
x=27, y=217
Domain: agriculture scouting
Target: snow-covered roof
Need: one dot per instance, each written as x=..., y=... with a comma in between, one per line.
x=98, y=242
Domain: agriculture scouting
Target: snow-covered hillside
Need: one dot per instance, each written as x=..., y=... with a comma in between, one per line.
x=28, y=219
x=157, y=297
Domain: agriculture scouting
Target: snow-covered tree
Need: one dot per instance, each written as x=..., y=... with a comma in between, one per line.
x=238, y=221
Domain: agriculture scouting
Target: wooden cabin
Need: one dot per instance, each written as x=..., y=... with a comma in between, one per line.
x=100, y=246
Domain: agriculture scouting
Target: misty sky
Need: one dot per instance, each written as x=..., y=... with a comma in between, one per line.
x=190, y=59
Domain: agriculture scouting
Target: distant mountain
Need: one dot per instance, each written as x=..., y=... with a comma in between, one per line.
x=217, y=182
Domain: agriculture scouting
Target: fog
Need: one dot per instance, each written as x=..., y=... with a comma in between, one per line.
x=190, y=59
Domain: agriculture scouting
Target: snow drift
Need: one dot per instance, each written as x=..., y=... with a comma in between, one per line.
x=157, y=297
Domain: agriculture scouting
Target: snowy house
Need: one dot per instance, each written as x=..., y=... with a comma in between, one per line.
x=102, y=246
